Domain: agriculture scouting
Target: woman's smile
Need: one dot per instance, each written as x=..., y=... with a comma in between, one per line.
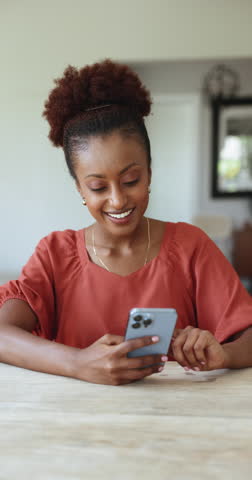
x=122, y=218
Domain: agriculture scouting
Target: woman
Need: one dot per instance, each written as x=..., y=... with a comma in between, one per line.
x=67, y=312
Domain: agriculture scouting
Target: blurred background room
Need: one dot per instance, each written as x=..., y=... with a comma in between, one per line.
x=194, y=55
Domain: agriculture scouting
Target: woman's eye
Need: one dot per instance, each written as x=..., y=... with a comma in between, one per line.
x=98, y=189
x=133, y=182
x=101, y=189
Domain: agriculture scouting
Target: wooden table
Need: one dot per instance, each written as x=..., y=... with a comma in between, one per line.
x=173, y=425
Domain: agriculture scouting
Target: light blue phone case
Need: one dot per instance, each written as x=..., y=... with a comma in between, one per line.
x=149, y=322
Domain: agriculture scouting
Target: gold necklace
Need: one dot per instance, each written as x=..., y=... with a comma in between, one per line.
x=147, y=249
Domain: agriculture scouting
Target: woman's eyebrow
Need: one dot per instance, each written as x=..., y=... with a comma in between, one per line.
x=97, y=175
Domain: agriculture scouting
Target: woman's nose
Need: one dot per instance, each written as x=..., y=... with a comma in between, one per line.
x=118, y=199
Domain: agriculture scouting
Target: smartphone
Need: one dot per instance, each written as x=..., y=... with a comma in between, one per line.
x=151, y=321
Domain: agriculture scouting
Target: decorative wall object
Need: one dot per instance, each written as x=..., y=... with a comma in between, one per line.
x=232, y=147
x=231, y=133
x=221, y=82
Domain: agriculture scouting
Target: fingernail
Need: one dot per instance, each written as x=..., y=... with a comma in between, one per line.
x=155, y=339
x=187, y=369
x=197, y=369
x=164, y=358
x=203, y=363
x=160, y=369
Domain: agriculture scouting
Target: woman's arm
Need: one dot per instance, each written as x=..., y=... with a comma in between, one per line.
x=239, y=351
x=18, y=346
x=105, y=361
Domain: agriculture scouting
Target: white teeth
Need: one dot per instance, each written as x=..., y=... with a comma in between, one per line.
x=120, y=215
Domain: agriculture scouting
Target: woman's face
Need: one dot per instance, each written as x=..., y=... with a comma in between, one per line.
x=113, y=177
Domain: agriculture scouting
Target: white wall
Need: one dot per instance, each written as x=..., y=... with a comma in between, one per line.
x=173, y=131
x=37, y=41
x=173, y=78
x=41, y=37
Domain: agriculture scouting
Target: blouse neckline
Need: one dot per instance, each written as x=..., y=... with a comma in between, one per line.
x=84, y=256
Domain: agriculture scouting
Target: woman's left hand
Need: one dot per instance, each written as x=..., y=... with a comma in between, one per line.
x=197, y=349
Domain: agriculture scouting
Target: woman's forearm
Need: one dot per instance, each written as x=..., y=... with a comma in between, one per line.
x=23, y=349
x=239, y=351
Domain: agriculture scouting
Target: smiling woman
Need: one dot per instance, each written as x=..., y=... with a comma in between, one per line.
x=116, y=192
x=113, y=176
x=67, y=313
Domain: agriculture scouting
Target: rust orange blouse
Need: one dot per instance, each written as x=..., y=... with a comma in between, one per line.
x=76, y=302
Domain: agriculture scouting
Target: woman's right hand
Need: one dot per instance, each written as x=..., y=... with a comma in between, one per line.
x=106, y=361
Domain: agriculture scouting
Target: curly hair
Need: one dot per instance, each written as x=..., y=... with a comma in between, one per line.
x=96, y=100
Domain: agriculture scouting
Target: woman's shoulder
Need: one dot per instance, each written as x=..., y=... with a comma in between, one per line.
x=189, y=233
x=61, y=235
x=183, y=247
x=182, y=237
x=61, y=241
x=179, y=231
x=61, y=250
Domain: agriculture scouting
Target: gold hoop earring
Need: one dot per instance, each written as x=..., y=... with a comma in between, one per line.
x=84, y=202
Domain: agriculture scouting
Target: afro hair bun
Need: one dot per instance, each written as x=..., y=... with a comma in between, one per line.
x=102, y=83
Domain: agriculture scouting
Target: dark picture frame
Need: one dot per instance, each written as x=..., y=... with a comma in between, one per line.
x=232, y=147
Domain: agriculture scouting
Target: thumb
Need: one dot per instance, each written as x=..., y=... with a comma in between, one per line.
x=110, y=339
x=176, y=332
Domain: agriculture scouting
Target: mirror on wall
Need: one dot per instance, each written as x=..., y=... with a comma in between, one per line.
x=232, y=147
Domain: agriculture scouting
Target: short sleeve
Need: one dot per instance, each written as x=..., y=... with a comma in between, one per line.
x=36, y=287
x=223, y=305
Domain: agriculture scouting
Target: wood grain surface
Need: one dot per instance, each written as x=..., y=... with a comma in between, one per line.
x=172, y=425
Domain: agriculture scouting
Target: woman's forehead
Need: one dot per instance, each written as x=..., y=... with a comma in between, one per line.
x=110, y=152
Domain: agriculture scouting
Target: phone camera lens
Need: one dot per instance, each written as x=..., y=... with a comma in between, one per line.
x=136, y=325
x=147, y=322
x=138, y=318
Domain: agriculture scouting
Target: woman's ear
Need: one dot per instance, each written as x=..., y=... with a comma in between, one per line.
x=78, y=187
x=149, y=175
x=80, y=192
